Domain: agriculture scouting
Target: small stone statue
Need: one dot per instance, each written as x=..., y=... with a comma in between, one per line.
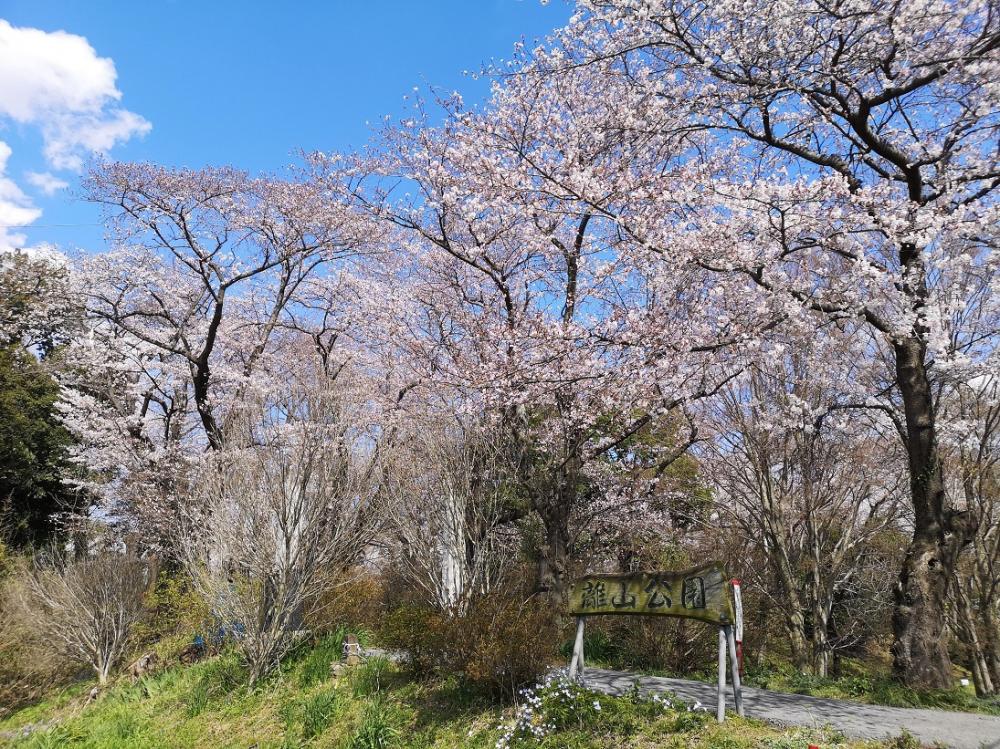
x=352, y=651
x=350, y=657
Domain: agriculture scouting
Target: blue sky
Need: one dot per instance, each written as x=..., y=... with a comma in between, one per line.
x=191, y=83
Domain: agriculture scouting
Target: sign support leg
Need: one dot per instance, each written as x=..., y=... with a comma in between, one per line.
x=721, y=710
x=576, y=664
x=735, y=664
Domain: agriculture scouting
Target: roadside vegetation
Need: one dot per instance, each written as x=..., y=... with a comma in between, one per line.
x=377, y=705
x=858, y=680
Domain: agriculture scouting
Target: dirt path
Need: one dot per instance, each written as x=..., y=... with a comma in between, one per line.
x=958, y=730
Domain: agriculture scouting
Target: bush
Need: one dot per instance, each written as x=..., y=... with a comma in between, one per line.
x=633, y=643
x=87, y=609
x=356, y=602
x=499, y=645
x=175, y=611
x=417, y=632
x=29, y=668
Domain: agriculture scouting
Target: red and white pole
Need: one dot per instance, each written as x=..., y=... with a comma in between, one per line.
x=738, y=601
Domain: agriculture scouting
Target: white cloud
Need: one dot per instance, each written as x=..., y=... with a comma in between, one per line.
x=16, y=208
x=48, y=183
x=56, y=80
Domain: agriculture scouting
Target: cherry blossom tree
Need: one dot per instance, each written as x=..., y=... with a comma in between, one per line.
x=193, y=242
x=194, y=311
x=278, y=516
x=973, y=452
x=523, y=305
x=840, y=158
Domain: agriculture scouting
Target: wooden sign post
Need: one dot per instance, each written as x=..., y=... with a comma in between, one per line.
x=704, y=593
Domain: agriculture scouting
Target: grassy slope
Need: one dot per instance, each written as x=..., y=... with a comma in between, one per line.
x=206, y=705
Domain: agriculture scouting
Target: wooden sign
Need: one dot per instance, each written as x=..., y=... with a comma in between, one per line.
x=704, y=593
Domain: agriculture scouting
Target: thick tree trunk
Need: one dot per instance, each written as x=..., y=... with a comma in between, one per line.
x=821, y=603
x=820, y=643
x=920, y=650
x=795, y=625
x=554, y=552
x=795, y=621
x=554, y=557
x=787, y=584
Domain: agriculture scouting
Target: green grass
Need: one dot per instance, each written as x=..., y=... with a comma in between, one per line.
x=876, y=689
x=378, y=728
x=374, y=706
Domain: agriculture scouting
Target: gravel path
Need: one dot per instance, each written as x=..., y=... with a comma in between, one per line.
x=958, y=730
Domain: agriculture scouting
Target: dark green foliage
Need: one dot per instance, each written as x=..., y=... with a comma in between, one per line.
x=33, y=450
x=35, y=315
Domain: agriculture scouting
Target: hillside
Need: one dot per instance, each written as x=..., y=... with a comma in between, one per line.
x=371, y=706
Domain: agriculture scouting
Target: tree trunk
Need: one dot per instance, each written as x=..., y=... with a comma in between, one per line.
x=554, y=552
x=795, y=620
x=788, y=585
x=103, y=669
x=992, y=646
x=920, y=650
x=969, y=633
x=795, y=624
x=820, y=643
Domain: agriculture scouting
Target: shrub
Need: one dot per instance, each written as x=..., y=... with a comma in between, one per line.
x=86, y=608
x=175, y=610
x=500, y=644
x=28, y=667
x=417, y=632
x=346, y=604
x=647, y=644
